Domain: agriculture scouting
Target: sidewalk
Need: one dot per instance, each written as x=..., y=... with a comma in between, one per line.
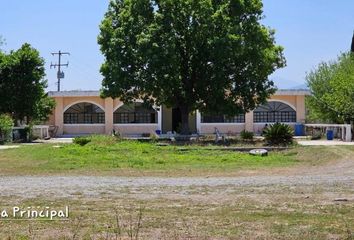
x=55, y=140
x=8, y=147
x=324, y=143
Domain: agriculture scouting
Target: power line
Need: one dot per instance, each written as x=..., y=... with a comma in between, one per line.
x=60, y=74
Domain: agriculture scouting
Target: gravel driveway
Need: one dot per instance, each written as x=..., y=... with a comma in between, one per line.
x=115, y=186
x=332, y=174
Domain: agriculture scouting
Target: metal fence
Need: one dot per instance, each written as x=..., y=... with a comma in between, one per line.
x=84, y=118
x=135, y=117
x=272, y=117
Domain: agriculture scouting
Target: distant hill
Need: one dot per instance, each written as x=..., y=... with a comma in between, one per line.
x=302, y=86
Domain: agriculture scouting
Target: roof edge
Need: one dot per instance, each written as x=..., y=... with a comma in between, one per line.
x=292, y=92
x=95, y=93
x=88, y=93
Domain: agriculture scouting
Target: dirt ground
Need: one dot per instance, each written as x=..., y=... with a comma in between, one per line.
x=300, y=203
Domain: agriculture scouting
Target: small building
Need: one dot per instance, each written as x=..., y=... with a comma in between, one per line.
x=85, y=112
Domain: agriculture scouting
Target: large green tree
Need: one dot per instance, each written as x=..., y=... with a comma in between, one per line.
x=22, y=85
x=332, y=87
x=211, y=55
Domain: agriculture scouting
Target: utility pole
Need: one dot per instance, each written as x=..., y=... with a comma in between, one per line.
x=60, y=74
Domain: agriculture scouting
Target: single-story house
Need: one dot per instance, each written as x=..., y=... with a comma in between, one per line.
x=85, y=112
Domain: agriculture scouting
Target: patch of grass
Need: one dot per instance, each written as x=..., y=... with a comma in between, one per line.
x=108, y=155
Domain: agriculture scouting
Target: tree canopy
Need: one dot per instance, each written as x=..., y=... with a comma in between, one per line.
x=332, y=87
x=211, y=55
x=22, y=85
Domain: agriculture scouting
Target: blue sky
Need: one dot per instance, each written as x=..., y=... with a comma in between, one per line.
x=311, y=31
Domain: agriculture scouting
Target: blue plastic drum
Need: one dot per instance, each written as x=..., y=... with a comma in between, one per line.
x=299, y=130
x=330, y=135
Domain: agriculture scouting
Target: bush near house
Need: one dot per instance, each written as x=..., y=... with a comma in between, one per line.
x=278, y=134
x=247, y=136
x=82, y=141
x=6, y=124
x=96, y=140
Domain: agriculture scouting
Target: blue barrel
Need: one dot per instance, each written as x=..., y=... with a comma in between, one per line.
x=299, y=129
x=158, y=132
x=330, y=135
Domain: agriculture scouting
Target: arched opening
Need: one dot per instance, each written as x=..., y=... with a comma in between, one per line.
x=135, y=113
x=274, y=111
x=84, y=113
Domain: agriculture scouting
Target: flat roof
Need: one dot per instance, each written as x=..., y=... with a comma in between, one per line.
x=74, y=93
x=78, y=93
x=292, y=92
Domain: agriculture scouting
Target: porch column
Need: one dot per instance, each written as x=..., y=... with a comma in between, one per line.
x=59, y=115
x=159, y=119
x=249, y=122
x=108, y=105
x=348, y=133
x=300, y=109
x=199, y=121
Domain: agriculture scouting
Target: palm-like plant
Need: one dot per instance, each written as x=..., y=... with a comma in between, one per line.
x=278, y=134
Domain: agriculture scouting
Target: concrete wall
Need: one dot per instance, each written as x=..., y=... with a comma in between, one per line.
x=109, y=106
x=258, y=127
x=83, y=129
x=135, y=129
x=225, y=128
x=109, y=109
x=63, y=103
x=295, y=101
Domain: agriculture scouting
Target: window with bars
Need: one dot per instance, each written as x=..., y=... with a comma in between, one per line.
x=223, y=119
x=70, y=118
x=84, y=113
x=135, y=113
x=121, y=117
x=272, y=112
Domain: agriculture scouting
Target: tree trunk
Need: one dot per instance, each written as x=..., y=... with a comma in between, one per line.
x=185, y=120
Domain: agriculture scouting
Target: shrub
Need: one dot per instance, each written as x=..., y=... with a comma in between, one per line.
x=29, y=133
x=316, y=136
x=145, y=135
x=104, y=140
x=278, y=134
x=154, y=137
x=82, y=141
x=245, y=135
x=6, y=124
x=116, y=134
x=97, y=140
